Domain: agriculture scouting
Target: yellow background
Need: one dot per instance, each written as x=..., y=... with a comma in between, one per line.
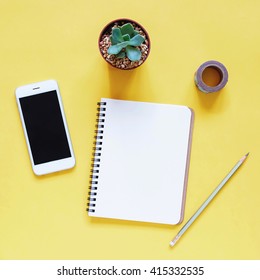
x=45, y=217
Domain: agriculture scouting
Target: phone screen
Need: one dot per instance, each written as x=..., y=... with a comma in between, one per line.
x=45, y=128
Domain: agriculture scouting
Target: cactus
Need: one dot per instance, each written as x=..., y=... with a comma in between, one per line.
x=125, y=40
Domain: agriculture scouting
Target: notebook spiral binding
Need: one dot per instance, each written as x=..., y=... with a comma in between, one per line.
x=92, y=194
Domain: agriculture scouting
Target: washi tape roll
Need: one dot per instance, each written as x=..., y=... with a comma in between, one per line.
x=202, y=76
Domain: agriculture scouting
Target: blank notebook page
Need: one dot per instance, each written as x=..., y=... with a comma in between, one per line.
x=142, y=164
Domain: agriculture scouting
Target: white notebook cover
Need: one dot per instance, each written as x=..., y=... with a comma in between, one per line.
x=142, y=166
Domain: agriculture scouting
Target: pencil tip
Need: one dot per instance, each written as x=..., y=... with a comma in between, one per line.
x=173, y=242
x=244, y=157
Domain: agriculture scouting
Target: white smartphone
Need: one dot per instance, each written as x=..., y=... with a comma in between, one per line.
x=45, y=128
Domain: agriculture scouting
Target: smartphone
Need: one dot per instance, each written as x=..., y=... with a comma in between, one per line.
x=45, y=127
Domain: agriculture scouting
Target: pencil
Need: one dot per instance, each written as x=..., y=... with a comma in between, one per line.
x=207, y=201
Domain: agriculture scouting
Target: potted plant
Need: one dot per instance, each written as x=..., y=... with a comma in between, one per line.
x=124, y=44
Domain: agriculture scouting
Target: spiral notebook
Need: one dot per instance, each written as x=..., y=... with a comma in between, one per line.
x=140, y=161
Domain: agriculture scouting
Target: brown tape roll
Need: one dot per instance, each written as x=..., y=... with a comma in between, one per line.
x=220, y=68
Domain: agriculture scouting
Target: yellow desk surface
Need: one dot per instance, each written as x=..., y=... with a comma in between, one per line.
x=45, y=217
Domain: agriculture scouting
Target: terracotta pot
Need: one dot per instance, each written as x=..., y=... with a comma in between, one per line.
x=107, y=30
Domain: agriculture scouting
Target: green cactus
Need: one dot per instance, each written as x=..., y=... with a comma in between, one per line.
x=125, y=40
